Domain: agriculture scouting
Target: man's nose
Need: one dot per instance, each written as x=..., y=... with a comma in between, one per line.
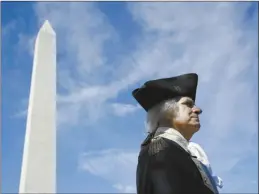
x=196, y=110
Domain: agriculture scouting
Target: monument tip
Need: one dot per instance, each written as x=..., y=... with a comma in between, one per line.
x=46, y=27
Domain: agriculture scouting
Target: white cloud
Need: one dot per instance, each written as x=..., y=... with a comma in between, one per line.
x=125, y=189
x=123, y=109
x=20, y=114
x=27, y=43
x=83, y=68
x=8, y=28
x=116, y=166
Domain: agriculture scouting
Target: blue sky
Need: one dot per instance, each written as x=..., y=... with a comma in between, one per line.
x=105, y=50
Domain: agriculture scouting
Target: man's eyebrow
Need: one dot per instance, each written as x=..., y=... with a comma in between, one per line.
x=188, y=100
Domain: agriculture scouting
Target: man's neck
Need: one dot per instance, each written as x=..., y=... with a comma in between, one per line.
x=186, y=136
x=185, y=133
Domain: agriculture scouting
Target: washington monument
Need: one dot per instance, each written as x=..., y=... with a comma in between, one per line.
x=38, y=172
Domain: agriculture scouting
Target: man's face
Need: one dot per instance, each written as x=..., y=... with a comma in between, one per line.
x=187, y=117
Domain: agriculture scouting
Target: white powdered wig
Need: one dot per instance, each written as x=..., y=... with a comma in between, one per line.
x=156, y=116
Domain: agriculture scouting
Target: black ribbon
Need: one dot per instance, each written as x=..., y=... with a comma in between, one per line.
x=148, y=139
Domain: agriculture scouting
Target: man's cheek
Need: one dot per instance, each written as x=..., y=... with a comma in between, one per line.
x=182, y=118
x=183, y=114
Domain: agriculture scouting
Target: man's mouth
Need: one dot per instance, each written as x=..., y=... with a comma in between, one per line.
x=195, y=117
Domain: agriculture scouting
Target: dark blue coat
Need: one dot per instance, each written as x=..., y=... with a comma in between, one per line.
x=166, y=168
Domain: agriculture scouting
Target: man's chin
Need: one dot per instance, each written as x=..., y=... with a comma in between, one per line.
x=197, y=127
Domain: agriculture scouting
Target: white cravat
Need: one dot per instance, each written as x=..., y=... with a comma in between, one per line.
x=196, y=150
x=191, y=147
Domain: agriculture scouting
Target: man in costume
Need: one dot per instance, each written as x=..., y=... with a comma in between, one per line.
x=165, y=164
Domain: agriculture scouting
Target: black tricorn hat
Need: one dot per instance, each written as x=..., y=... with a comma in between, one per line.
x=155, y=91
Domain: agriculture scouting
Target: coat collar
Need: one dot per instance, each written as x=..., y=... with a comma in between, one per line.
x=172, y=134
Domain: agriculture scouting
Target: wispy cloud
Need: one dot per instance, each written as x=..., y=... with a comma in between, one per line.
x=124, y=109
x=27, y=43
x=125, y=189
x=116, y=166
x=21, y=114
x=83, y=68
x=8, y=27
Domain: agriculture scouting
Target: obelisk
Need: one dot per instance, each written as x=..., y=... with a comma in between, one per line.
x=38, y=173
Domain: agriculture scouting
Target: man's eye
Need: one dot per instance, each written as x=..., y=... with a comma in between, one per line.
x=189, y=104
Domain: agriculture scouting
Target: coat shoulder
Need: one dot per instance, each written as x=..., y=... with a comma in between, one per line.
x=161, y=145
x=158, y=145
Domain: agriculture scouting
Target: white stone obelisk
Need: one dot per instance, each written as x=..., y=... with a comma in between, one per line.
x=38, y=173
